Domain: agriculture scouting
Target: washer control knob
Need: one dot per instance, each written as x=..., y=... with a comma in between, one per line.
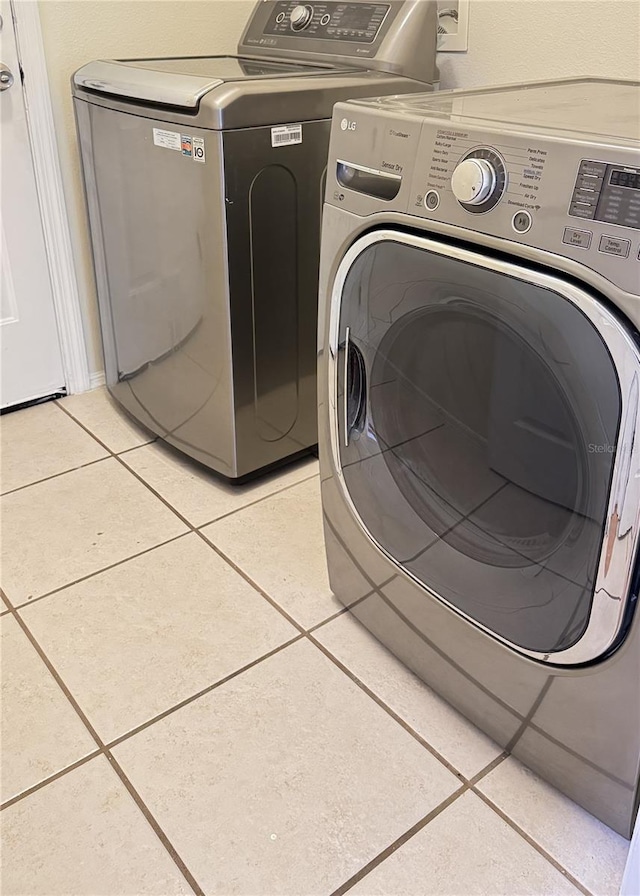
x=473, y=181
x=300, y=17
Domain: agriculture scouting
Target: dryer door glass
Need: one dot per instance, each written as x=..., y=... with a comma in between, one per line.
x=478, y=451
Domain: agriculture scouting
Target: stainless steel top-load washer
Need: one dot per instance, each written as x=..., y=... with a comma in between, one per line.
x=204, y=180
x=480, y=411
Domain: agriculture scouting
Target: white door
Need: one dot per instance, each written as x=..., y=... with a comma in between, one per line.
x=30, y=357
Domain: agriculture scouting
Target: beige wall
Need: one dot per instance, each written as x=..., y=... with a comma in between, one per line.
x=525, y=40
x=509, y=40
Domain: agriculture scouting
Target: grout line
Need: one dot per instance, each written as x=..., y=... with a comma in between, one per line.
x=133, y=447
x=115, y=765
x=65, y=690
x=21, y=488
x=192, y=528
x=488, y=768
x=539, y=849
x=201, y=693
x=59, y=774
x=400, y=841
x=394, y=715
x=341, y=612
x=348, y=607
x=168, y=845
x=300, y=628
x=285, y=488
x=164, y=500
x=91, y=575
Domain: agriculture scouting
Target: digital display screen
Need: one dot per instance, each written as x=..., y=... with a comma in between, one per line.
x=630, y=179
x=360, y=17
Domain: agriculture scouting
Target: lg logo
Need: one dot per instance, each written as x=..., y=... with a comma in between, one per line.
x=347, y=125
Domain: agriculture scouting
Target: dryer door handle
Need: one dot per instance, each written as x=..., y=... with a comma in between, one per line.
x=355, y=389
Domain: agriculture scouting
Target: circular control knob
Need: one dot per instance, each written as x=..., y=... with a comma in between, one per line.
x=473, y=181
x=300, y=17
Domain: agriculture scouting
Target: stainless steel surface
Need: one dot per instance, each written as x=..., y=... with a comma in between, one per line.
x=554, y=711
x=581, y=107
x=615, y=571
x=6, y=77
x=404, y=44
x=116, y=78
x=208, y=299
x=254, y=102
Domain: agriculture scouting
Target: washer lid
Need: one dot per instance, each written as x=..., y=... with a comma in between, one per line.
x=182, y=82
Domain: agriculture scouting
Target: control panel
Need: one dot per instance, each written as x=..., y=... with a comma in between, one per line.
x=544, y=194
x=358, y=22
x=398, y=37
x=609, y=193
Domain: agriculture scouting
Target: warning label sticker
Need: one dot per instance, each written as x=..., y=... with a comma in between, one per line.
x=286, y=135
x=167, y=139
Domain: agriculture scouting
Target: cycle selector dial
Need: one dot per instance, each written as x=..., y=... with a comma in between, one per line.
x=300, y=17
x=479, y=180
x=473, y=181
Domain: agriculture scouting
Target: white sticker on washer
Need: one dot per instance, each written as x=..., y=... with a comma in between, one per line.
x=198, y=150
x=167, y=139
x=286, y=135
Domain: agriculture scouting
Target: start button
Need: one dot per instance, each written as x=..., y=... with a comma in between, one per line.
x=521, y=222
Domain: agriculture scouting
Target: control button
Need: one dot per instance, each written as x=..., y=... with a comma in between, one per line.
x=521, y=222
x=580, y=210
x=573, y=237
x=280, y=17
x=610, y=245
x=300, y=17
x=595, y=169
x=326, y=18
x=432, y=200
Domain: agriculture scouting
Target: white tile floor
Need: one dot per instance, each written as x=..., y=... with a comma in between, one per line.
x=187, y=709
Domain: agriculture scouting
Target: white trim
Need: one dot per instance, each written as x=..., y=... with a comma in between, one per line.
x=458, y=41
x=55, y=223
x=97, y=379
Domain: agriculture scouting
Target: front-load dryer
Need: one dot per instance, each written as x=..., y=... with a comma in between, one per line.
x=480, y=411
x=204, y=183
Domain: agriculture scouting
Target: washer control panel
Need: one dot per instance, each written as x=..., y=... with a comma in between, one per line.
x=359, y=22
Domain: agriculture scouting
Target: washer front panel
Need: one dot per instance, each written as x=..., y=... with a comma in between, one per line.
x=556, y=586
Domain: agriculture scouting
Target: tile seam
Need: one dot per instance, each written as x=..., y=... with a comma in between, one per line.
x=117, y=456
x=531, y=841
x=21, y=488
x=143, y=808
x=399, y=842
x=103, y=569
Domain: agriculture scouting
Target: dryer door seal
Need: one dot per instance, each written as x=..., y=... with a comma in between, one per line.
x=497, y=462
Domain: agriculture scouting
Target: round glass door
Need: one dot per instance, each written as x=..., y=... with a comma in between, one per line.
x=479, y=437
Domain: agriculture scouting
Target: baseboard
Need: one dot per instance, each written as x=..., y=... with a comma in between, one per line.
x=97, y=379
